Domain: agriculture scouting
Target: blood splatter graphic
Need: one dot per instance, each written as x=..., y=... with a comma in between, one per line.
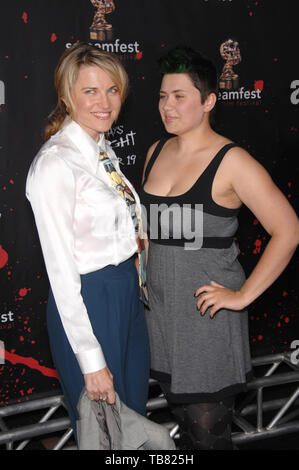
x=259, y=85
x=257, y=245
x=25, y=17
x=53, y=37
x=139, y=55
x=23, y=292
x=3, y=257
x=31, y=363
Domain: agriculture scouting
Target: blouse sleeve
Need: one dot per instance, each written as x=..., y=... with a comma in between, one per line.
x=51, y=191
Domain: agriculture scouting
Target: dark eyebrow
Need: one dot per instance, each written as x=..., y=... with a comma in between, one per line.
x=174, y=91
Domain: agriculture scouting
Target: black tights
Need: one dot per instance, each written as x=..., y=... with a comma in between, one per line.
x=204, y=426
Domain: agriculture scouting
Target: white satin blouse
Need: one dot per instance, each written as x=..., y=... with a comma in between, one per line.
x=83, y=225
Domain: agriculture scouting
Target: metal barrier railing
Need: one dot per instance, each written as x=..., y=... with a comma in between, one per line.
x=281, y=423
x=254, y=403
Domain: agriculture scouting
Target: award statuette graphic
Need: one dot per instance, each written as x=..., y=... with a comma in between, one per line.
x=230, y=52
x=101, y=30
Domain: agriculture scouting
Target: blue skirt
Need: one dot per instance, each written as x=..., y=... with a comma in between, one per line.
x=111, y=296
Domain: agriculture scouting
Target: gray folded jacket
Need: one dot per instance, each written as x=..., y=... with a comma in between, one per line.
x=116, y=427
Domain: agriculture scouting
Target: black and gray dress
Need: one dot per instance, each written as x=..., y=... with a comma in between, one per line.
x=202, y=359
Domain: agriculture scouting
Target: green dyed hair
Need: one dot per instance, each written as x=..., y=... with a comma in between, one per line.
x=183, y=59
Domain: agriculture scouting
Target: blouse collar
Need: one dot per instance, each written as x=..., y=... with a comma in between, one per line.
x=87, y=146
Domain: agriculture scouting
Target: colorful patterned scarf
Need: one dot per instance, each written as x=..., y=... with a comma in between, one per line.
x=125, y=192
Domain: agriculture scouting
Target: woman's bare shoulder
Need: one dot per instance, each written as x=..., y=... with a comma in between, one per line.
x=238, y=156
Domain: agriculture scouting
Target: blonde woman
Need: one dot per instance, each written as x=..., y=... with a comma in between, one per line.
x=88, y=229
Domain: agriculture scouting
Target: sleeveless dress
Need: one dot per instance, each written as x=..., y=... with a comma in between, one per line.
x=202, y=359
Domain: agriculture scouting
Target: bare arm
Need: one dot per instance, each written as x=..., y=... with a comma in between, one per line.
x=256, y=190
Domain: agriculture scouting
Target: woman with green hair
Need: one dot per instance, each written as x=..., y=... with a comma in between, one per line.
x=194, y=184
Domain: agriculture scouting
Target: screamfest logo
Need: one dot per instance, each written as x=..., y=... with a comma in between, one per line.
x=6, y=320
x=102, y=34
x=100, y=29
x=230, y=91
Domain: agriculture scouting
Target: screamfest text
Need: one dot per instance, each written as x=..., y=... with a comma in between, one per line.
x=115, y=47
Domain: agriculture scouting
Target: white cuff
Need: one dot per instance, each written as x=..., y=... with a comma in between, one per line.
x=91, y=360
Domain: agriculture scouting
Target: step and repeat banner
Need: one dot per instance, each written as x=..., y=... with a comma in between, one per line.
x=254, y=46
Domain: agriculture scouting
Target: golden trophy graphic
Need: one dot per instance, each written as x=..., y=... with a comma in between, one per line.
x=101, y=30
x=230, y=52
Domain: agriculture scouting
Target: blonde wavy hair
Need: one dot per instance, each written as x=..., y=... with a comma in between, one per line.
x=66, y=74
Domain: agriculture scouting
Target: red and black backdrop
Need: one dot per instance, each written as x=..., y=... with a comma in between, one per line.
x=260, y=112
